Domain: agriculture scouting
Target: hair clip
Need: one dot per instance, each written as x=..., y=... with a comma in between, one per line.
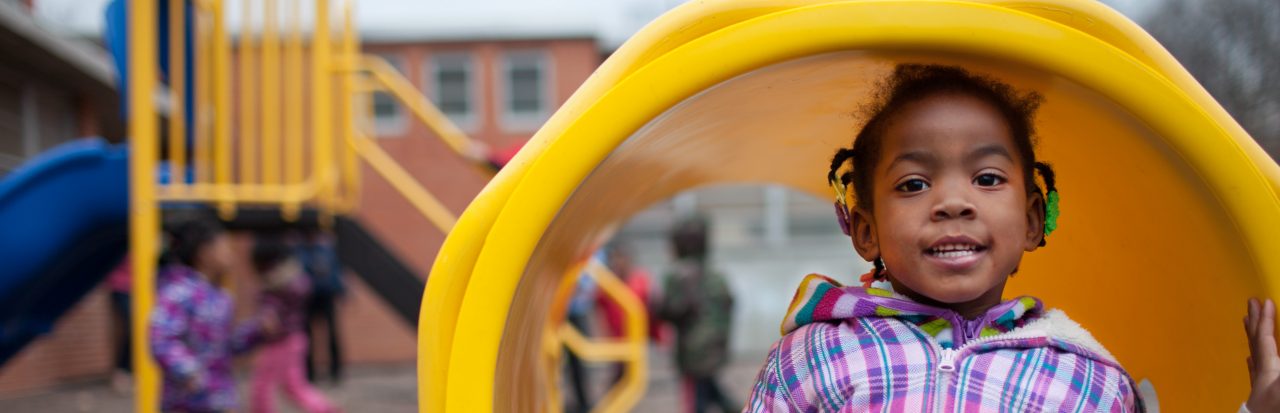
x=1051, y=213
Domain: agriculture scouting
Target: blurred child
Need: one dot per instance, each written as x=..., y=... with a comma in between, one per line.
x=285, y=290
x=699, y=303
x=191, y=333
x=320, y=262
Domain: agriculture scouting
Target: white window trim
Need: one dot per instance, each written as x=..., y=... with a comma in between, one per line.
x=471, y=121
x=398, y=124
x=513, y=123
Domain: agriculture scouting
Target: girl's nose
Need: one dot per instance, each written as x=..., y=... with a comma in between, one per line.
x=953, y=207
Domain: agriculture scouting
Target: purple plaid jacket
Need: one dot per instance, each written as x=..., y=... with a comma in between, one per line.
x=849, y=349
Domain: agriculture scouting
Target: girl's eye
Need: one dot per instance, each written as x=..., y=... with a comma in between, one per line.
x=988, y=180
x=914, y=185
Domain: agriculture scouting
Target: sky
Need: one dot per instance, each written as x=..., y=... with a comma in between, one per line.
x=612, y=21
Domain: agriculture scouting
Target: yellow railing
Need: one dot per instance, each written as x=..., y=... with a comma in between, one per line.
x=281, y=153
x=631, y=349
x=272, y=144
x=293, y=145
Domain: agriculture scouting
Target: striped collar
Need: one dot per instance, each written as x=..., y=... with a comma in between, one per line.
x=821, y=299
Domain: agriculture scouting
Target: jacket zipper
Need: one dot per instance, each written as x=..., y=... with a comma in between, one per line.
x=948, y=358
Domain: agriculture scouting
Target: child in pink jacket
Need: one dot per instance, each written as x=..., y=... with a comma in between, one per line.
x=285, y=289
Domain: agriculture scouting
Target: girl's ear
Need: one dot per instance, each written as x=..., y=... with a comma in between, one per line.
x=863, y=232
x=1035, y=221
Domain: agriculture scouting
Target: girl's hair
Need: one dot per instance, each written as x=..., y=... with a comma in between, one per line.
x=269, y=250
x=189, y=236
x=911, y=83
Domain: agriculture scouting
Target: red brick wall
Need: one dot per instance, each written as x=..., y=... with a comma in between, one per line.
x=79, y=347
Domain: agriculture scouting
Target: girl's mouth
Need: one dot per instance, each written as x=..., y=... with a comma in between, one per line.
x=954, y=250
x=955, y=253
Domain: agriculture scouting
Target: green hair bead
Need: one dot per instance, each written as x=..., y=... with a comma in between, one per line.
x=1051, y=213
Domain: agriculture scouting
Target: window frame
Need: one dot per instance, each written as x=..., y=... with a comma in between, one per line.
x=469, y=121
x=397, y=124
x=522, y=122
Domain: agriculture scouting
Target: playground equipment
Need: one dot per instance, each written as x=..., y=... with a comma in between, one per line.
x=297, y=164
x=1169, y=209
x=1168, y=216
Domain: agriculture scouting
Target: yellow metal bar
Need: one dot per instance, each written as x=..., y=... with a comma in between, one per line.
x=222, y=104
x=403, y=90
x=321, y=105
x=350, y=162
x=427, y=113
x=394, y=83
x=269, y=138
x=593, y=349
x=202, y=161
x=248, y=109
x=293, y=110
x=402, y=181
x=177, y=94
x=632, y=348
x=250, y=193
x=144, y=220
x=553, y=348
x=368, y=86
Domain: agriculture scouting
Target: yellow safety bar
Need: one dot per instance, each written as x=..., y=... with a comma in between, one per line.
x=144, y=220
x=385, y=78
x=270, y=147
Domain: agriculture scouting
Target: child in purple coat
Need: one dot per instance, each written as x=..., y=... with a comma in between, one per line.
x=191, y=332
x=285, y=290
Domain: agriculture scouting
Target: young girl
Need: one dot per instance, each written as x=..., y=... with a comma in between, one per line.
x=945, y=200
x=191, y=333
x=285, y=289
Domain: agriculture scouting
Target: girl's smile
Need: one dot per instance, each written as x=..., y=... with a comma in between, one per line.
x=955, y=253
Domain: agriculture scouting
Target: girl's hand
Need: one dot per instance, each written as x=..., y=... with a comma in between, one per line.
x=1264, y=364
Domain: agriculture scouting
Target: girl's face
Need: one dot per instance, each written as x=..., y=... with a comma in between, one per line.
x=216, y=256
x=952, y=215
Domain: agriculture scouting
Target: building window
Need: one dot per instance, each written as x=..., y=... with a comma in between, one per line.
x=388, y=116
x=453, y=87
x=527, y=101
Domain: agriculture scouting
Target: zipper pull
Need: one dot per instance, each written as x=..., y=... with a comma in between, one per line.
x=948, y=363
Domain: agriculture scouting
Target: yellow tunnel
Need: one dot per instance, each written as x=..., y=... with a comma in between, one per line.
x=1169, y=209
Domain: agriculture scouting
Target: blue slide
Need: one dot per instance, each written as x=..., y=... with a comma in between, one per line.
x=63, y=227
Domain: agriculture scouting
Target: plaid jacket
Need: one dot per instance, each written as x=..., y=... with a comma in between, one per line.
x=852, y=349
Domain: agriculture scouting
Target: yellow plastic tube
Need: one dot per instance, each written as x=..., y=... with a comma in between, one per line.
x=1168, y=215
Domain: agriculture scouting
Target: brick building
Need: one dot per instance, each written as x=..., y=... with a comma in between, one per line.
x=497, y=88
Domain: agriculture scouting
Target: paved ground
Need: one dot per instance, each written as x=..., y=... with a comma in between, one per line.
x=386, y=389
